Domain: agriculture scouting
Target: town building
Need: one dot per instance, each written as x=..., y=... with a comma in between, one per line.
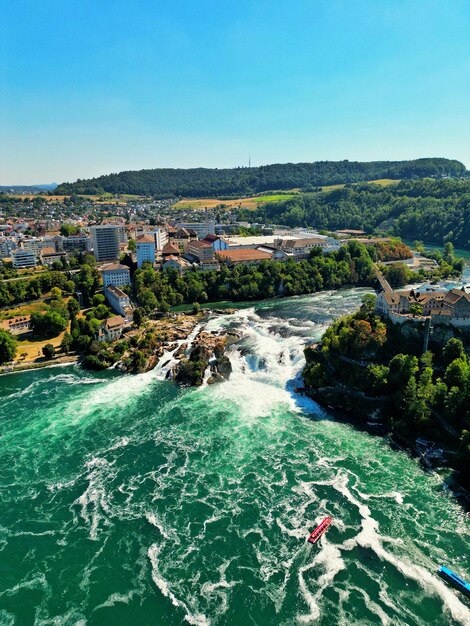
x=211, y=265
x=199, y=250
x=105, y=240
x=48, y=256
x=170, y=249
x=111, y=329
x=115, y=274
x=243, y=256
x=183, y=236
x=24, y=258
x=32, y=244
x=17, y=325
x=119, y=301
x=441, y=306
x=7, y=245
x=301, y=248
x=216, y=242
x=160, y=237
x=145, y=249
x=202, y=229
x=175, y=263
x=77, y=243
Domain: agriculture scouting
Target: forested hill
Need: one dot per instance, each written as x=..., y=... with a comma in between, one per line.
x=204, y=182
x=430, y=210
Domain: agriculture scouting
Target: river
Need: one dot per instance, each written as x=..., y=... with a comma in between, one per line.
x=126, y=500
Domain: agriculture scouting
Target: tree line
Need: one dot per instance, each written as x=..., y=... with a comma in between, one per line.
x=205, y=182
x=435, y=211
x=351, y=265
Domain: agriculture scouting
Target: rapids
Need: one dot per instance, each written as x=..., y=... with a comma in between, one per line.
x=126, y=500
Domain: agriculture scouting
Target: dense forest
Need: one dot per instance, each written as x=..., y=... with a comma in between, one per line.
x=430, y=210
x=418, y=394
x=205, y=182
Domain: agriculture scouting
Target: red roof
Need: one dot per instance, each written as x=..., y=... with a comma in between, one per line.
x=145, y=239
x=200, y=244
x=169, y=248
x=238, y=256
x=211, y=238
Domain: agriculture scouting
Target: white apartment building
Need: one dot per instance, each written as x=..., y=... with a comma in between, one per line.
x=115, y=274
x=24, y=258
x=105, y=239
x=119, y=301
x=202, y=228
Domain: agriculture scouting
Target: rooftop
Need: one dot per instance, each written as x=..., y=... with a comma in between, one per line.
x=119, y=293
x=145, y=239
x=243, y=255
x=113, y=267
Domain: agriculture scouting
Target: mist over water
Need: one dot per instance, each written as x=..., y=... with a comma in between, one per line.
x=126, y=500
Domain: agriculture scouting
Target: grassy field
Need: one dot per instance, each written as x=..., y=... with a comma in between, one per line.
x=30, y=349
x=199, y=204
x=384, y=182
x=27, y=309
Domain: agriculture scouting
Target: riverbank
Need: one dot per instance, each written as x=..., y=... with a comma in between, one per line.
x=364, y=368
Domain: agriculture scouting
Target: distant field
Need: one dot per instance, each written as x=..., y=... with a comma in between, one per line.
x=385, y=182
x=199, y=204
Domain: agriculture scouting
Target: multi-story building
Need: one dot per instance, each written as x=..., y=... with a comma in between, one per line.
x=105, y=239
x=33, y=245
x=17, y=325
x=200, y=250
x=7, y=245
x=451, y=306
x=300, y=248
x=79, y=243
x=216, y=242
x=119, y=301
x=202, y=228
x=115, y=274
x=145, y=249
x=244, y=256
x=111, y=329
x=49, y=256
x=23, y=258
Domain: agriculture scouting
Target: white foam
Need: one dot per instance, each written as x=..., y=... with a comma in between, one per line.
x=198, y=619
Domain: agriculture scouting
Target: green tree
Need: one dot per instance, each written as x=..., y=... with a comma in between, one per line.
x=453, y=350
x=73, y=306
x=49, y=351
x=66, y=343
x=416, y=309
x=7, y=347
x=48, y=324
x=98, y=299
x=139, y=316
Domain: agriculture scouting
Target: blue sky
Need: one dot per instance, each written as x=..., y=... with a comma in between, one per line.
x=97, y=86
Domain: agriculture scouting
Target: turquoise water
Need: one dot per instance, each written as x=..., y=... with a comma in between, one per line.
x=126, y=500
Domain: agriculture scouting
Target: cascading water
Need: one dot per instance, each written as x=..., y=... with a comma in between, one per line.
x=131, y=501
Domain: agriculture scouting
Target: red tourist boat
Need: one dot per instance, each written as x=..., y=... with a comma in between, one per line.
x=320, y=529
